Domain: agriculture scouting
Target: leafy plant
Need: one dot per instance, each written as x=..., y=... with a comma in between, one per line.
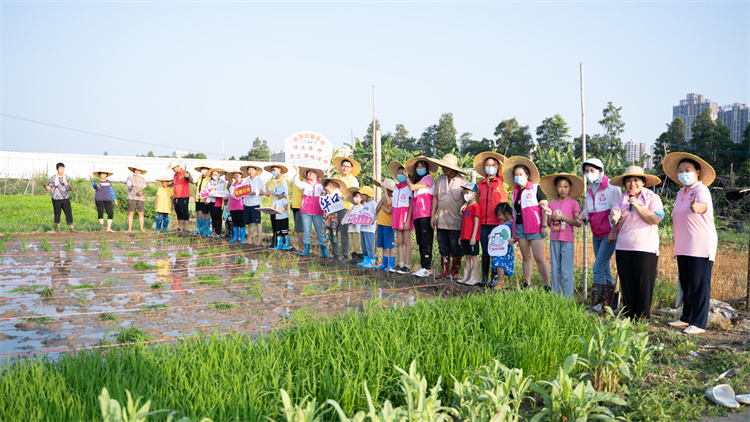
x=306, y=411
x=69, y=245
x=490, y=391
x=108, y=316
x=140, y=265
x=219, y=305
x=45, y=245
x=132, y=335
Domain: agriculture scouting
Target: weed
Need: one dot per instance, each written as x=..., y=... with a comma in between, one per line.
x=80, y=286
x=140, y=265
x=219, y=305
x=132, y=335
x=108, y=316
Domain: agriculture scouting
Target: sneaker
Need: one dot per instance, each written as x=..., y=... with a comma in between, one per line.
x=403, y=270
x=693, y=330
x=678, y=324
x=421, y=273
x=547, y=288
x=395, y=269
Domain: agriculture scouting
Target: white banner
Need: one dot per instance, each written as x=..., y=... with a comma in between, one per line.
x=308, y=148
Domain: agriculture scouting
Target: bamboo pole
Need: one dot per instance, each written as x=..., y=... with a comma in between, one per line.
x=585, y=193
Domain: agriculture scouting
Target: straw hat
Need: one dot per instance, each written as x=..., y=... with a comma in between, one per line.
x=164, y=179
x=269, y=168
x=259, y=170
x=448, y=161
x=389, y=184
x=480, y=159
x=137, y=167
x=175, y=163
x=367, y=190
x=394, y=166
x=340, y=185
x=303, y=172
x=211, y=171
x=202, y=166
x=511, y=162
x=672, y=161
x=356, y=168
x=635, y=171
x=349, y=192
x=103, y=170
x=432, y=166
x=229, y=175
x=547, y=184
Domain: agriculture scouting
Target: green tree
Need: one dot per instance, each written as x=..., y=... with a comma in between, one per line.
x=594, y=146
x=712, y=141
x=259, y=151
x=672, y=140
x=513, y=139
x=401, y=138
x=469, y=146
x=613, y=128
x=445, y=136
x=198, y=155
x=427, y=141
x=367, y=139
x=552, y=133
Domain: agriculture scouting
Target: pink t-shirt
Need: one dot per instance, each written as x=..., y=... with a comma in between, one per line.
x=423, y=198
x=561, y=230
x=635, y=233
x=694, y=234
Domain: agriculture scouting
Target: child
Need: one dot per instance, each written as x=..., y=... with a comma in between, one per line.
x=402, y=221
x=562, y=215
x=332, y=187
x=470, y=236
x=236, y=206
x=281, y=224
x=163, y=204
x=105, y=195
x=367, y=231
x=353, y=196
x=214, y=203
x=385, y=224
x=500, y=243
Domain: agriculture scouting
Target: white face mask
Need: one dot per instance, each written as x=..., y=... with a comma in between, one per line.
x=491, y=171
x=520, y=180
x=592, y=177
x=469, y=196
x=686, y=179
x=215, y=177
x=356, y=200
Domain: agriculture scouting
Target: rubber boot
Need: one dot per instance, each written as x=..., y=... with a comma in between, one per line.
x=206, y=227
x=158, y=223
x=445, y=263
x=390, y=263
x=596, y=294
x=287, y=244
x=493, y=278
x=365, y=261
x=165, y=224
x=467, y=275
x=485, y=270
x=236, y=234
x=307, y=250
x=608, y=293
x=243, y=230
x=279, y=243
x=384, y=265
x=198, y=225
x=474, y=280
x=456, y=266
x=324, y=251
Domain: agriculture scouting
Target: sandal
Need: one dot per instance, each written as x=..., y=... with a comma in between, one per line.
x=723, y=395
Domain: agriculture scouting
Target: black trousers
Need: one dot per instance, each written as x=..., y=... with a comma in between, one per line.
x=637, y=272
x=281, y=227
x=448, y=242
x=102, y=206
x=60, y=205
x=215, y=213
x=238, y=218
x=274, y=230
x=695, y=280
x=425, y=236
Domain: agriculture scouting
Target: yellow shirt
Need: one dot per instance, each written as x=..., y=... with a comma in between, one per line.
x=296, y=196
x=349, y=181
x=201, y=183
x=164, y=200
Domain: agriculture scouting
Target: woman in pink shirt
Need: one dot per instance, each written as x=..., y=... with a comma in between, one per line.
x=422, y=185
x=637, y=252
x=695, y=237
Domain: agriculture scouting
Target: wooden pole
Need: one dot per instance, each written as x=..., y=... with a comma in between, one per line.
x=585, y=193
x=375, y=148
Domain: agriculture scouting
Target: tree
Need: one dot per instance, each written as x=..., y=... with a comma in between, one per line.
x=258, y=152
x=428, y=140
x=198, y=155
x=105, y=153
x=672, y=140
x=552, y=133
x=712, y=141
x=401, y=138
x=468, y=146
x=445, y=136
x=367, y=139
x=513, y=139
x=594, y=147
x=613, y=128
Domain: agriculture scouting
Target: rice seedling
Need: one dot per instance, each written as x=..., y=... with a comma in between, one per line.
x=46, y=292
x=109, y=280
x=184, y=255
x=145, y=243
x=24, y=246
x=81, y=299
x=208, y=279
x=45, y=244
x=240, y=260
x=210, y=251
x=86, y=245
x=132, y=335
x=104, y=250
x=158, y=254
x=121, y=244
x=311, y=290
x=153, y=307
x=205, y=262
x=302, y=315
x=41, y=320
x=158, y=285
x=140, y=265
x=132, y=254
x=69, y=245
x=80, y=286
x=25, y=289
x=6, y=236
x=221, y=306
x=255, y=291
x=108, y=316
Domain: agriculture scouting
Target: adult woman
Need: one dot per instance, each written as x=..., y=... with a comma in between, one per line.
x=348, y=169
x=59, y=187
x=637, y=250
x=181, y=185
x=695, y=237
x=104, y=197
x=420, y=181
x=252, y=201
x=277, y=179
x=312, y=214
x=446, y=214
x=236, y=205
x=490, y=192
x=136, y=200
x=202, y=216
x=601, y=203
x=530, y=210
x=217, y=187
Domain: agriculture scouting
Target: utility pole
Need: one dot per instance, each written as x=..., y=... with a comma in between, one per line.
x=222, y=147
x=375, y=147
x=585, y=192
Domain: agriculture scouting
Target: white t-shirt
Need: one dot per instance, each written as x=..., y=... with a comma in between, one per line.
x=278, y=204
x=257, y=186
x=369, y=208
x=356, y=209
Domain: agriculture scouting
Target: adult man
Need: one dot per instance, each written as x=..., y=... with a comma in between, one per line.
x=59, y=187
x=348, y=169
x=252, y=201
x=446, y=214
x=182, y=180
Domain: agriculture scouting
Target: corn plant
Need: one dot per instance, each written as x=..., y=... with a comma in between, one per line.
x=113, y=411
x=492, y=393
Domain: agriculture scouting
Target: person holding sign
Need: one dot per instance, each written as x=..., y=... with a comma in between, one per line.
x=348, y=169
x=252, y=201
x=277, y=179
x=385, y=224
x=402, y=221
x=355, y=199
x=367, y=231
x=500, y=243
x=236, y=205
x=312, y=214
x=215, y=194
x=202, y=221
x=422, y=185
x=469, y=237
x=331, y=203
x=491, y=192
x=281, y=220
x=564, y=190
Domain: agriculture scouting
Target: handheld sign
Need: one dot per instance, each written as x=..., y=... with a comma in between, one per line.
x=205, y=193
x=267, y=210
x=497, y=244
x=331, y=203
x=242, y=191
x=361, y=218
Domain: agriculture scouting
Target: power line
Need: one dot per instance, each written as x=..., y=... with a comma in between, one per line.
x=105, y=136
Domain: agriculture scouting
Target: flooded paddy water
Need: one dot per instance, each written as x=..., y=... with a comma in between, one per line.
x=94, y=291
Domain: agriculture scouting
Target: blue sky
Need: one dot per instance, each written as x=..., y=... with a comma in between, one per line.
x=181, y=74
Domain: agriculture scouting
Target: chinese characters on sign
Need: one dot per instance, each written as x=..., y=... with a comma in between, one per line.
x=309, y=149
x=331, y=203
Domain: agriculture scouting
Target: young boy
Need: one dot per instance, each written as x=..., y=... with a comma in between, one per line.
x=281, y=204
x=367, y=231
x=385, y=224
x=163, y=205
x=332, y=188
x=470, y=236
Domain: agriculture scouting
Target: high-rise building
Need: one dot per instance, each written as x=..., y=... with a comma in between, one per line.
x=735, y=117
x=634, y=151
x=690, y=108
x=650, y=161
x=278, y=156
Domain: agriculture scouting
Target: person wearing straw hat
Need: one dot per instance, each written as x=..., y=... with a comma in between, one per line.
x=420, y=181
x=599, y=209
x=236, y=205
x=530, y=208
x=277, y=171
x=385, y=235
x=252, y=201
x=355, y=199
x=564, y=190
x=59, y=187
x=104, y=197
x=136, y=199
x=348, y=169
x=181, y=185
x=202, y=216
x=163, y=204
x=490, y=192
x=695, y=238
x=367, y=231
x=403, y=224
x=281, y=204
x=333, y=198
x=217, y=187
x=637, y=250
x=446, y=214
x=312, y=214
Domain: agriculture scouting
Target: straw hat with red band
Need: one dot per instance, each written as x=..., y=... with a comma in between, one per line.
x=512, y=162
x=482, y=157
x=393, y=167
x=448, y=161
x=410, y=166
x=672, y=161
x=340, y=185
x=356, y=168
x=269, y=168
x=175, y=163
x=103, y=170
x=137, y=167
x=547, y=183
x=389, y=184
x=638, y=172
x=258, y=169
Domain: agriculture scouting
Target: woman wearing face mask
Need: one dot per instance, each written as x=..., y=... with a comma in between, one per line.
x=277, y=179
x=695, y=237
x=202, y=217
x=422, y=185
x=637, y=251
x=312, y=213
x=601, y=209
x=215, y=199
x=490, y=192
x=530, y=211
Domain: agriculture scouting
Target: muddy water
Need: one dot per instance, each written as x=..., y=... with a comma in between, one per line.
x=265, y=290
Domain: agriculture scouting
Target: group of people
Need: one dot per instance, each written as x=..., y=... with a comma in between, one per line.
x=462, y=214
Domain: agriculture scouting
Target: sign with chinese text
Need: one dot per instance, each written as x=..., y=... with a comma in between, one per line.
x=308, y=148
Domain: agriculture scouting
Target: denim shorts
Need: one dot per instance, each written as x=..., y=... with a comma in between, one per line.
x=530, y=236
x=385, y=237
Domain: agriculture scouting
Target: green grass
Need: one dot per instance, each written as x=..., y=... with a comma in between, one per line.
x=140, y=265
x=208, y=279
x=107, y=316
x=80, y=286
x=205, y=262
x=220, y=306
x=132, y=335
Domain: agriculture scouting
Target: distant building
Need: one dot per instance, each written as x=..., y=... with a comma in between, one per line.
x=690, y=108
x=650, y=161
x=634, y=151
x=278, y=156
x=343, y=152
x=179, y=154
x=735, y=117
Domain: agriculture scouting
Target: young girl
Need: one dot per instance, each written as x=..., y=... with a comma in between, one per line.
x=332, y=187
x=470, y=236
x=385, y=224
x=422, y=185
x=402, y=221
x=500, y=243
x=163, y=204
x=281, y=220
x=367, y=231
x=215, y=202
x=353, y=196
x=105, y=195
x=563, y=214
x=236, y=206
